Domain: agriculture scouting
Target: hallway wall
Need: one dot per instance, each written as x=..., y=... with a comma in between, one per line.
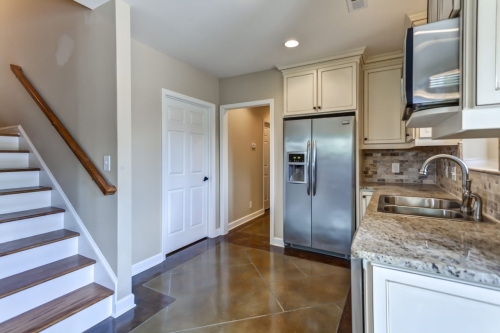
x=246, y=164
x=68, y=52
x=258, y=86
x=152, y=71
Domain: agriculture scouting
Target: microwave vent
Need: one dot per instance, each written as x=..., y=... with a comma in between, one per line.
x=356, y=4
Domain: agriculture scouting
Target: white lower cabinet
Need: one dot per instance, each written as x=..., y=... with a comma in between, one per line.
x=405, y=302
x=366, y=196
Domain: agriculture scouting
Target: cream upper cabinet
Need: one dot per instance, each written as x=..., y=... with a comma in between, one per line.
x=337, y=88
x=382, y=106
x=301, y=92
x=488, y=52
x=325, y=85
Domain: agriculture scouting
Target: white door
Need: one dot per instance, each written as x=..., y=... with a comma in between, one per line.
x=185, y=166
x=300, y=93
x=267, y=157
x=337, y=88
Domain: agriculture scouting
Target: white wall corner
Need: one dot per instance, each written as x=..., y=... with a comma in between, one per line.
x=123, y=305
x=91, y=4
x=277, y=242
x=147, y=263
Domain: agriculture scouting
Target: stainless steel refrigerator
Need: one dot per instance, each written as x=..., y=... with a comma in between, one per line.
x=320, y=183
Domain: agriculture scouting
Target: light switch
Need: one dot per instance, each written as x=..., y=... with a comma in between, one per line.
x=395, y=167
x=107, y=163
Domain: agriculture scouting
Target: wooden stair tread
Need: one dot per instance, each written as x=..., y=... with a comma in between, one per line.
x=10, y=134
x=55, y=311
x=19, y=282
x=28, y=214
x=5, y=151
x=20, y=190
x=35, y=241
x=18, y=169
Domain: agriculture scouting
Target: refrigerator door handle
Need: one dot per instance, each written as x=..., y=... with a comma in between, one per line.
x=314, y=155
x=308, y=167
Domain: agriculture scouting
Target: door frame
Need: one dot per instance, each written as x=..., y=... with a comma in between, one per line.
x=212, y=174
x=263, y=164
x=224, y=161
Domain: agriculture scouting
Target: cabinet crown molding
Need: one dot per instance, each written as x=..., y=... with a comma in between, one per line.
x=351, y=53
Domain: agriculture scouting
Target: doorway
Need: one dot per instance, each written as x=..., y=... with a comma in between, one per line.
x=188, y=170
x=227, y=193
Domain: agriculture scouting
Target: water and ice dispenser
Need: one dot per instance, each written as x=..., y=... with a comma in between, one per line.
x=297, y=172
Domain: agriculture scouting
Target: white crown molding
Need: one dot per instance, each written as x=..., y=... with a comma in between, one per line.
x=91, y=4
x=384, y=57
x=351, y=53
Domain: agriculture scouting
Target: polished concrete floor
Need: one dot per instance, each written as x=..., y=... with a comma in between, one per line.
x=240, y=283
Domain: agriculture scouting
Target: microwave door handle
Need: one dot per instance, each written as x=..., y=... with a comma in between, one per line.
x=308, y=167
x=314, y=156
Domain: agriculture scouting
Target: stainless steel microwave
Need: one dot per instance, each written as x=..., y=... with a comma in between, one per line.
x=431, y=73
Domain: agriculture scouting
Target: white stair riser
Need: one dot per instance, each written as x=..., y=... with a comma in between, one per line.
x=9, y=142
x=28, y=299
x=42, y=255
x=30, y=227
x=24, y=201
x=85, y=319
x=19, y=179
x=14, y=160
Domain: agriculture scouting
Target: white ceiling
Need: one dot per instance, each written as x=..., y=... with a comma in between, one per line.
x=231, y=37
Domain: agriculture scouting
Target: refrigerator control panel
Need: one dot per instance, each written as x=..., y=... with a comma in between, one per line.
x=297, y=167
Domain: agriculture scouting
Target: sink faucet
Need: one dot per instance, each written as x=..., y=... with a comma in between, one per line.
x=466, y=183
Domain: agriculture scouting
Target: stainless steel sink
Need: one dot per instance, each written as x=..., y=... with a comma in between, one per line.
x=429, y=212
x=426, y=207
x=421, y=202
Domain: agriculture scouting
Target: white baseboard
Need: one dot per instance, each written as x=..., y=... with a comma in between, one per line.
x=141, y=266
x=123, y=305
x=277, y=242
x=245, y=219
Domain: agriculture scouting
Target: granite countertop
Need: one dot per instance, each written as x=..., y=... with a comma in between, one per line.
x=400, y=240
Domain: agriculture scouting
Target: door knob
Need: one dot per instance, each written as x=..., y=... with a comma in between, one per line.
x=205, y=179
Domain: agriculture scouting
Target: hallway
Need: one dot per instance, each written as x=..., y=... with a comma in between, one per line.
x=239, y=283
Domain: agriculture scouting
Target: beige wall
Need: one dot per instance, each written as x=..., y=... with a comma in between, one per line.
x=258, y=86
x=69, y=53
x=246, y=171
x=152, y=71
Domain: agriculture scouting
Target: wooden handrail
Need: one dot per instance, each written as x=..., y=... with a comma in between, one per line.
x=95, y=174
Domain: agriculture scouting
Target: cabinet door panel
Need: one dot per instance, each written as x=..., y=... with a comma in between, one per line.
x=488, y=52
x=300, y=92
x=382, y=106
x=413, y=303
x=337, y=88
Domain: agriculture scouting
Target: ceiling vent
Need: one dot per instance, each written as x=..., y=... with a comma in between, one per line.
x=353, y=5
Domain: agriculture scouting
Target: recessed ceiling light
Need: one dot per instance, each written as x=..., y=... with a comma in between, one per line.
x=291, y=43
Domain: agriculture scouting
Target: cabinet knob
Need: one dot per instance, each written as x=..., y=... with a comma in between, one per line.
x=366, y=139
x=407, y=134
x=364, y=196
x=319, y=107
x=314, y=107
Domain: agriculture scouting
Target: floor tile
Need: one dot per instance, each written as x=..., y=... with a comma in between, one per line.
x=232, y=300
x=312, y=320
x=311, y=268
x=274, y=267
x=311, y=291
x=259, y=227
x=223, y=254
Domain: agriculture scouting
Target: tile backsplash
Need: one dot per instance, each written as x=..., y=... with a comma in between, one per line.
x=377, y=165
x=485, y=184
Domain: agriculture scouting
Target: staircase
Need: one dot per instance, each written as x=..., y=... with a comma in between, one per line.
x=45, y=284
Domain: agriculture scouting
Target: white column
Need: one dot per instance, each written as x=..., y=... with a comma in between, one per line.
x=124, y=296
